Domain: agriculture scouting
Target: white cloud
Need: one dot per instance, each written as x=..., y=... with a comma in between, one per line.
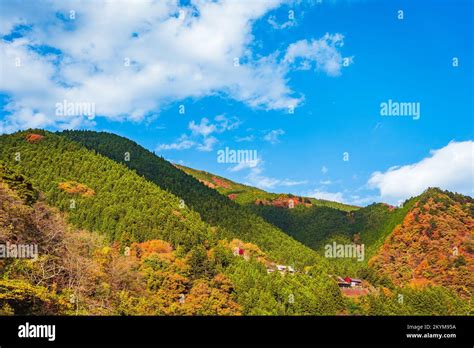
x=322, y=54
x=225, y=123
x=183, y=143
x=275, y=25
x=324, y=169
x=258, y=179
x=246, y=138
x=342, y=197
x=208, y=144
x=245, y=165
x=450, y=168
x=204, y=128
x=255, y=178
x=200, y=136
x=329, y=196
x=273, y=136
x=287, y=182
x=170, y=58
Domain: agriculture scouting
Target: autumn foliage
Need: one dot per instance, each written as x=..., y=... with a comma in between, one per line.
x=135, y=249
x=34, y=138
x=147, y=248
x=73, y=187
x=221, y=182
x=79, y=272
x=433, y=245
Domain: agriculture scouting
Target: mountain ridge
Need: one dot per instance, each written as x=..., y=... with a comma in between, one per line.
x=200, y=233
x=248, y=195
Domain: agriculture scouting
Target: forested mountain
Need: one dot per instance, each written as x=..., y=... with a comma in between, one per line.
x=248, y=195
x=433, y=245
x=122, y=231
x=319, y=223
x=100, y=195
x=234, y=220
x=79, y=272
x=315, y=225
x=318, y=227
x=120, y=204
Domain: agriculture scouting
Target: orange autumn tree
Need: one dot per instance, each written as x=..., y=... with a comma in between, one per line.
x=34, y=138
x=149, y=247
x=73, y=187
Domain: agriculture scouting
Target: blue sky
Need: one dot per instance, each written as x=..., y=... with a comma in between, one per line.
x=334, y=62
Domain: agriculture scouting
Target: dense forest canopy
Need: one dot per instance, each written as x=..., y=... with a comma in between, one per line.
x=150, y=239
x=234, y=220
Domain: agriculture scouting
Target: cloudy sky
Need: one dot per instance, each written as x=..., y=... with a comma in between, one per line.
x=300, y=82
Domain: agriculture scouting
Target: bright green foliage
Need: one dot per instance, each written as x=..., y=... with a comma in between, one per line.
x=141, y=206
x=234, y=220
x=274, y=294
x=125, y=206
x=309, y=225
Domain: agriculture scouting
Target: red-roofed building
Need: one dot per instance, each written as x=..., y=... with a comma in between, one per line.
x=238, y=251
x=353, y=281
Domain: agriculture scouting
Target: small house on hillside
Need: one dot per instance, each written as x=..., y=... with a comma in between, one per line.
x=348, y=282
x=283, y=269
x=353, y=282
x=241, y=252
x=342, y=283
x=238, y=251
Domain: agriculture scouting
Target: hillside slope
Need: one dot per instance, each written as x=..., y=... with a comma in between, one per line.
x=320, y=227
x=71, y=271
x=433, y=245
x=155, y=256
x=312, y=226
x=234, y=220
x=248, y=195
x=100, y=194
x=317, y=226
